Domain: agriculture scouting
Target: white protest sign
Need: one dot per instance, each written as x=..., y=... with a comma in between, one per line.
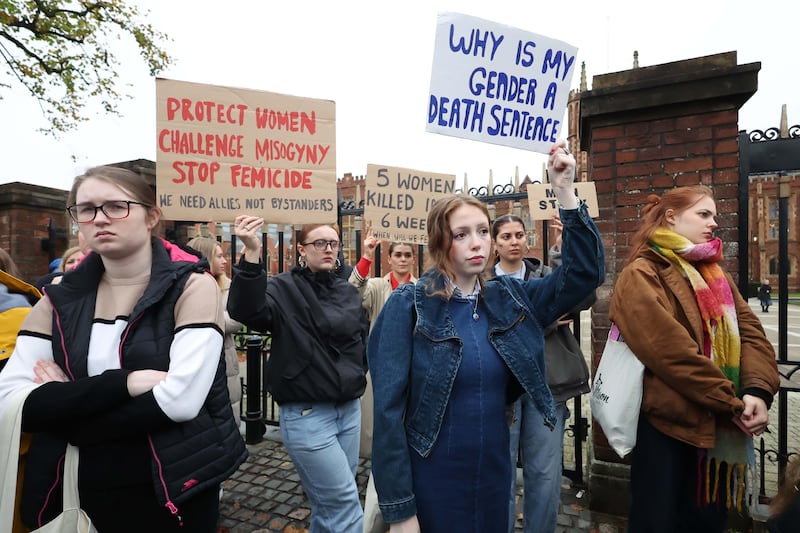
x=397, y=201
x=498, y=84
x=543, y=204
x=223, y=151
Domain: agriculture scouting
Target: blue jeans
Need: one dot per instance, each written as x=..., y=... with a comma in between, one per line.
x=322, y=440
x=542, y=451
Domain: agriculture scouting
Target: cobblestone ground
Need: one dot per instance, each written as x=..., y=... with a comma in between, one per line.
x=265, y=495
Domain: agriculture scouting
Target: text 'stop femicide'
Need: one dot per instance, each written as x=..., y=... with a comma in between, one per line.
x=498, y=84
x=223, y=151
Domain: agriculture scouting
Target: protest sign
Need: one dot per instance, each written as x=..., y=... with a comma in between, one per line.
x=224, y=151
x=543, y=204
x=398, y=200
x=498, y=84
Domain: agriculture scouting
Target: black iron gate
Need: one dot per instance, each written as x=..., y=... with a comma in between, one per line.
x=578, y=431
x=772, y=152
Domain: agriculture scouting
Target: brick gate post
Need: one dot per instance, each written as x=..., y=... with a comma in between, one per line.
x=647, y=130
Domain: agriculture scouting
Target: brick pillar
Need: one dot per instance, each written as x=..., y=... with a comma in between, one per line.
x=34, y=226
x=647, y=130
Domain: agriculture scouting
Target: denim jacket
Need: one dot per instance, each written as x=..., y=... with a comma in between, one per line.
x=414, y=354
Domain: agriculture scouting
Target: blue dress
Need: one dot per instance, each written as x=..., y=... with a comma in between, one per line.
x=463, y=485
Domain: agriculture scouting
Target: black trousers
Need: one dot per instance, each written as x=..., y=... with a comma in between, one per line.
x=664, y=487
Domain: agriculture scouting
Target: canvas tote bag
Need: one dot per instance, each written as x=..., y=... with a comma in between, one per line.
x=72, y=519
x=617, y=393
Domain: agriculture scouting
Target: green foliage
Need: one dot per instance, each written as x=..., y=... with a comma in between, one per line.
x=61, y=52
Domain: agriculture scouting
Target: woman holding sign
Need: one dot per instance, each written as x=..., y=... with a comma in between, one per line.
x=374, y=294
x=710, y=372
x=316, y=370
x=542, y=447
x=449, y=355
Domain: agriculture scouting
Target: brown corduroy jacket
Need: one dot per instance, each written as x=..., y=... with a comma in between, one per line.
x=655, y=309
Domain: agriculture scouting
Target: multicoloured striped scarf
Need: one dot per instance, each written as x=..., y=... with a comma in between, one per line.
x=733, y=456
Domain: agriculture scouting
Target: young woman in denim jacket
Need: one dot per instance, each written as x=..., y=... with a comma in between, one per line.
x=451, y=353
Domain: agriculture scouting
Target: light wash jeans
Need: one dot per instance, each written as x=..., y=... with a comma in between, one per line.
x=542, y=451
x=322, y=440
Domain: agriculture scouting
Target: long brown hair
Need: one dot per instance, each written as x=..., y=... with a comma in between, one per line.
x=440, y=238
x=134, y=184
x=308, y=228
x=8, y=265
x=789, y=488
x=653, y=214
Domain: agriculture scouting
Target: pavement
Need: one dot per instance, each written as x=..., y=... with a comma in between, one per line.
x=265, y=494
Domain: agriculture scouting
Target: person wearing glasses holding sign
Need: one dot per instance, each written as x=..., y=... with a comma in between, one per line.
x=127, y=353
x=316, y=369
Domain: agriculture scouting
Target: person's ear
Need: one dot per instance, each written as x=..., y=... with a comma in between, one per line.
x=669, y=216
x=153, y=218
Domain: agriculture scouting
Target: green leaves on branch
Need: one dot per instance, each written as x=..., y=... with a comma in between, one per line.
x=60, y=51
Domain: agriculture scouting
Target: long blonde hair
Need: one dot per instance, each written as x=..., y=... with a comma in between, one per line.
x=208, y=247
x=62, y=266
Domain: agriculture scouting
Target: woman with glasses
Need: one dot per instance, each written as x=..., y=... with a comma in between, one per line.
x=448, y=356
x=316, y=370
x=127, y=354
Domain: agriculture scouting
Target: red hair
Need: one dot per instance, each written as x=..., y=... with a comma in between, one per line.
x=653, y=214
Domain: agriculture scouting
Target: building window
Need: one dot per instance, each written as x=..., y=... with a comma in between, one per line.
x=773, y=266
x=772, y=219
x=773, y=209
x=348, y=232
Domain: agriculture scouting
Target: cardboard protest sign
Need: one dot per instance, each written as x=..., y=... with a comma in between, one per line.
x=397, y=201
x=224, y=151
x=543, y=204
x=497, y=84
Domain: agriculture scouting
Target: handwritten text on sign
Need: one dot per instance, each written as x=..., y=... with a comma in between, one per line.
x=398, y=200
x=498, y=84
x=223, y=151
x=543, y=204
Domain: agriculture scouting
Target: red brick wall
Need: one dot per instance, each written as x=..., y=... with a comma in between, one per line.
x=25, y=214
x=630, y=161
x=652, y=129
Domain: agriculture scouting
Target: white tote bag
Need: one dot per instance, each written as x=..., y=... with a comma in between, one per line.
x=617, y=393
x=72, y=519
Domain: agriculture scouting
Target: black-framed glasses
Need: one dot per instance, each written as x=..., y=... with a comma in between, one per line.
x=321, y=245
x=113, y=210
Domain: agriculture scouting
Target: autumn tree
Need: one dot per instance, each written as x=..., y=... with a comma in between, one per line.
x=62, y=53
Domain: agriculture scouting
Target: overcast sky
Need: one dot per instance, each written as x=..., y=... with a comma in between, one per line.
x=374, y=60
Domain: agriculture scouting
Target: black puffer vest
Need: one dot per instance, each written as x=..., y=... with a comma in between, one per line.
x=187, y=457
